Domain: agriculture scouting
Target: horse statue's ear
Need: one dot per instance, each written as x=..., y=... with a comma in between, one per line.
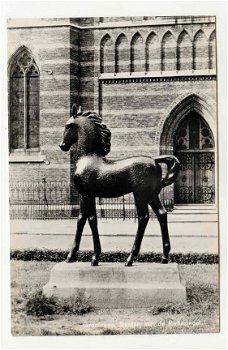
x=74, y=111
x=79, y=111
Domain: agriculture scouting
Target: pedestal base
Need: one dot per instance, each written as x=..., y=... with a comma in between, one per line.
x=112, y=285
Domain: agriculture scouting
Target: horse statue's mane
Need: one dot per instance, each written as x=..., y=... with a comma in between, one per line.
x=102, y=130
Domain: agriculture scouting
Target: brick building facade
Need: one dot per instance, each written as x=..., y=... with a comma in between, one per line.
x=153, y=80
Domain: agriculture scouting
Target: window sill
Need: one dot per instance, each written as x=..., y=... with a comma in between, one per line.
x=26, y=157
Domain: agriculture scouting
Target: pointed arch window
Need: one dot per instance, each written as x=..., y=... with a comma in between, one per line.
x=24, y=102
x=193, y=134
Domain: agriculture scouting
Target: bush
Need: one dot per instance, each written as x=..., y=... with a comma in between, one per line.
x=119, y=256
x=75, y=305
x=170, y=308
x=39, y=305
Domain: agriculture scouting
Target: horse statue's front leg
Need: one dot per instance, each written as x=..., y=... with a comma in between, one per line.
x=92, y=218
x=72, y=256
x=90, y=209
x=87, y=211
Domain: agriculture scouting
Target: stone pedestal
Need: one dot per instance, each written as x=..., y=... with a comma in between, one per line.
x=112, y=285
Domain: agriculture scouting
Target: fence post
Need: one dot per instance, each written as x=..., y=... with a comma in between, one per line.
x=102, y=212
x=45, y=195
x=124, y=212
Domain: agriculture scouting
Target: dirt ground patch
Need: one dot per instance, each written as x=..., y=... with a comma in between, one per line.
x=201, y=315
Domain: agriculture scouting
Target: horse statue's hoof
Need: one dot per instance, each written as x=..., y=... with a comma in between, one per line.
x=71, y=259
x=128, y=263
x=94, y=262
x=164, y=260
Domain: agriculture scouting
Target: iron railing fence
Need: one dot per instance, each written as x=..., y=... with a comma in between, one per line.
x=36, y=200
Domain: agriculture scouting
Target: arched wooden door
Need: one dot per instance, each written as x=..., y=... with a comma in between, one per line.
x=194, y=147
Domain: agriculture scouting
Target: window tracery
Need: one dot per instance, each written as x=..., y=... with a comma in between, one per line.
x=194, y=134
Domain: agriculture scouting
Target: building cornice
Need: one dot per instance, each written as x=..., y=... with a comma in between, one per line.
x=157, y=22
x=149, y=78
x=172, y=20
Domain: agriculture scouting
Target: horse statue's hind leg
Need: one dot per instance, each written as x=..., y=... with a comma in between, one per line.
x=161, y=214
x=87, y=211
x=143, y=218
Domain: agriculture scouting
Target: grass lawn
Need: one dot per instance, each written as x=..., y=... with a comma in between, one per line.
x=201, y=315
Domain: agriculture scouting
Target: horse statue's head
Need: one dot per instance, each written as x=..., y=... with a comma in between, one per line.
x=87, y=130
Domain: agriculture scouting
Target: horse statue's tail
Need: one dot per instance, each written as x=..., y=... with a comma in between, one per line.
x=173, y=165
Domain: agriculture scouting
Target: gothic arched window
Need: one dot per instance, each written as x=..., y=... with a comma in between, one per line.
x=193, y=134
x=24, y=102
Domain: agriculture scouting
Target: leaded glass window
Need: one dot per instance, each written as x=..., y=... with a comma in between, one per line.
x=194, y=134
x=24, y=104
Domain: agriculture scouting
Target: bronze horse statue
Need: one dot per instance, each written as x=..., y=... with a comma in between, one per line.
x=97, y=176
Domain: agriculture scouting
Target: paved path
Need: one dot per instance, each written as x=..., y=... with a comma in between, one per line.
x=114, y=235
x=123, y=228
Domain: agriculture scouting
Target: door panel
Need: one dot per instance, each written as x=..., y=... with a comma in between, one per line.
x=184, y=186
x=205, y=177
x=196, y=178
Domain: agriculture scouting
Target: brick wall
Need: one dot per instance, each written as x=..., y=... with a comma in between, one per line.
x=50, y=48
x=136, y=112
x=95, y=67
x=116, y=66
